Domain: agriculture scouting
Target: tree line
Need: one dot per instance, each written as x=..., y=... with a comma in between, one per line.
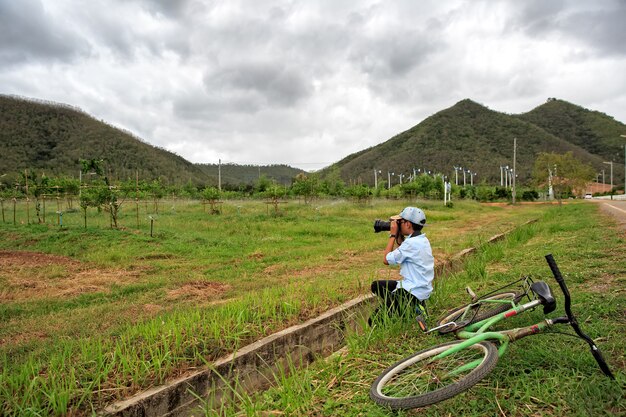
x=563, y=173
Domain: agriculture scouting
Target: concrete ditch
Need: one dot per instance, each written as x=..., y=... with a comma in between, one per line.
x=253, y=365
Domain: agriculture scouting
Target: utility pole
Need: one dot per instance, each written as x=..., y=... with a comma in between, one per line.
x=514, y=157
x=219, y=175
x=624, y=136
x=611, y=163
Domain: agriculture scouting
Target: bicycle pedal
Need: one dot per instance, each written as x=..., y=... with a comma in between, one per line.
x=471, y=293
x=422, y=323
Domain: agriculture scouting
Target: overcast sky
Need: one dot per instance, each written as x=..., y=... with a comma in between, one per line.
x=306, y=83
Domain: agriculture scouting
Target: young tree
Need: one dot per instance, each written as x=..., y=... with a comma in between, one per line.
x=263, y=184
x=305, y=186
x=566, y=172
x=158, y=192
x=333, y=184
x=361, y=193
x=274, y=194
x=70, y=188
x=212, y=195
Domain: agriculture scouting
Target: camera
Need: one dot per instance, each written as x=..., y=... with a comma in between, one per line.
x=381, y=225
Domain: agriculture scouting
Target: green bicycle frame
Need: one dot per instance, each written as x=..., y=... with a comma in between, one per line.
x=478, y=332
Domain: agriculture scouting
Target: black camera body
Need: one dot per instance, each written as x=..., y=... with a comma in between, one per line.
x=381, y=226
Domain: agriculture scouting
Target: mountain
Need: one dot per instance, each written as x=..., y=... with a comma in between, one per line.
x=234, y=174
x=472, y=136
x=50, y=138
x=593, y=131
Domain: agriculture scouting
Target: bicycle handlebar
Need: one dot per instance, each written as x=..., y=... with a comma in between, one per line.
x=595, y=351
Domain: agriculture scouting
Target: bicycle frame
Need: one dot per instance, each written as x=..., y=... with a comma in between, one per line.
x=478, y=332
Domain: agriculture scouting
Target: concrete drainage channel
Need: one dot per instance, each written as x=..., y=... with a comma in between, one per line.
x=253, y=366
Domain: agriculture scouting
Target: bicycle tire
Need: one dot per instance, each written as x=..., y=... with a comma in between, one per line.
x=435, y=391
x=484, y=312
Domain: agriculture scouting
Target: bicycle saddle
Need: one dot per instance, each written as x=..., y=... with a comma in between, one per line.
x=542, y=291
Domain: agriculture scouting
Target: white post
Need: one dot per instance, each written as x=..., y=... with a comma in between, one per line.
x=610, y=163
x=550, y=190
x=513, y=173
x=624, y=136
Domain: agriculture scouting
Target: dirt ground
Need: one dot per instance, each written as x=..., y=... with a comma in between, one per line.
x=35, y=276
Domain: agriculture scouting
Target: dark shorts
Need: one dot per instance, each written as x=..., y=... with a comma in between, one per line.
x=395, y=300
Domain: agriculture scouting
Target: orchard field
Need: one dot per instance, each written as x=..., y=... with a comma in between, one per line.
x=93, y=314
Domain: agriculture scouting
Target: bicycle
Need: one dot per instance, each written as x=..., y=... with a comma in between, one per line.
x=441, y=372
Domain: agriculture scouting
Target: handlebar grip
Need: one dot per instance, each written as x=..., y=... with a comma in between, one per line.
x=554, y=268
x=559, y=278
x=595, y=351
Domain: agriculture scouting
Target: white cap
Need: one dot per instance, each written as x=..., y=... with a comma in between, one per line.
x=412, y=214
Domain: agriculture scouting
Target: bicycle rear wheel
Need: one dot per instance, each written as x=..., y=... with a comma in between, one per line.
x=421, y=380
x=478, y=312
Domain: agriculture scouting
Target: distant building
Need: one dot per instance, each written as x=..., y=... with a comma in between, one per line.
x=598, y=187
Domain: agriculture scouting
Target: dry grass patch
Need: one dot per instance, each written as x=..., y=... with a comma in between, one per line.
x=198, y=290
x=36, y=276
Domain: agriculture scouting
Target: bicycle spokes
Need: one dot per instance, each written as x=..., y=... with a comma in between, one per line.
x=434, y=372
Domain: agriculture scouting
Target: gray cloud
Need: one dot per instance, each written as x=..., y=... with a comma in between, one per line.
x=275, y=83
x=321, y=78
x=28, y=33
x=596, y=25
x=167, y=8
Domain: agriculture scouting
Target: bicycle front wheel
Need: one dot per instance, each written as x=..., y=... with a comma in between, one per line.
x=479, y=311
x=422, y=379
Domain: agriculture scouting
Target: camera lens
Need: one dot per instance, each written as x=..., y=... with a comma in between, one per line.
x=381, y=225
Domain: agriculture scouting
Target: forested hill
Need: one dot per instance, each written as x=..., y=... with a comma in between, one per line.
x=50, y=138
x=474, y=137
x=235, y=174
x=596, y=132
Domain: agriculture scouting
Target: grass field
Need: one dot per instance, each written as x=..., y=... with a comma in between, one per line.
x=543, y=375
x=90, y=315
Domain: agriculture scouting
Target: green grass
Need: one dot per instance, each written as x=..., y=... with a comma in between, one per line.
x=118, y=310
x=543, y=375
